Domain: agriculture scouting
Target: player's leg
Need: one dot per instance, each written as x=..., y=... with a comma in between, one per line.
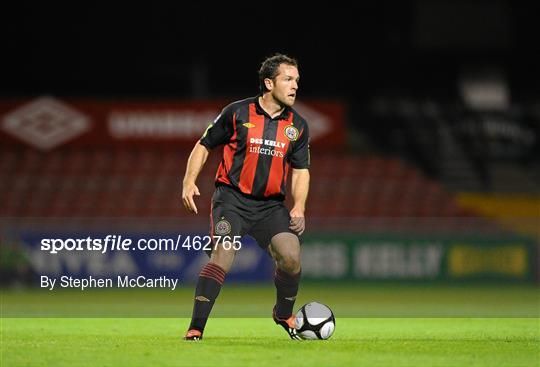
x=285, y=249
x=213, y=274
x=273, y=234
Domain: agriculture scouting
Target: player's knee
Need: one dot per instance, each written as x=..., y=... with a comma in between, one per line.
x=290, y=264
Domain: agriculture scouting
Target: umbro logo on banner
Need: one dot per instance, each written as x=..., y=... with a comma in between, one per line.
x=45, y=123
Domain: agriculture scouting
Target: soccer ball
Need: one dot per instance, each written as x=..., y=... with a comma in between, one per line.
x=315, y=321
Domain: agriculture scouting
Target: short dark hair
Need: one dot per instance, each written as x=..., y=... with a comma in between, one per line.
x=269, y=68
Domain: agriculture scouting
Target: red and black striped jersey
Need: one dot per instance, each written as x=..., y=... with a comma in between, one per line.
x=258, y=149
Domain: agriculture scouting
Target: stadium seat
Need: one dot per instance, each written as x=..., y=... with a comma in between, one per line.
x=136, y=182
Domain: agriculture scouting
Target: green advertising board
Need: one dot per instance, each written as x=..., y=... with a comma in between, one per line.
x=386, y=257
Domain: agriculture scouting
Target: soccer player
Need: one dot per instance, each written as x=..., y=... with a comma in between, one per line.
x=262, y=136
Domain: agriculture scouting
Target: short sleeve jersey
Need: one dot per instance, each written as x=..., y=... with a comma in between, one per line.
x=258, y=149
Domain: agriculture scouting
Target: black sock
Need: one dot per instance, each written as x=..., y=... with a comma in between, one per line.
x=208, y=286
x=287, y=289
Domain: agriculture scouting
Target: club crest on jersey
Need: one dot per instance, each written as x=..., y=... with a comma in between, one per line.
x=291, y=133
x=222, y=227
x=249, y=125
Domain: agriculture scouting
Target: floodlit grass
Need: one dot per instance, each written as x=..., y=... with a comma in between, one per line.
x=376, y=325
x=257, y=341
x=345, y=299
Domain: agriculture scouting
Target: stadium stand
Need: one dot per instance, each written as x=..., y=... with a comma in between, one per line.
x=466, y=149
x=347, y=191
x=126, y=182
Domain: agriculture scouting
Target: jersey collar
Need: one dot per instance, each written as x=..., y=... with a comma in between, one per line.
x=283, y=116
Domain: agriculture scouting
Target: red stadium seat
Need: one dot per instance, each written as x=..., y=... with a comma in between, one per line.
x=350, y=192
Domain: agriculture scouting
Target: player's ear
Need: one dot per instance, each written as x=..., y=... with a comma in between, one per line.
x=269, y=83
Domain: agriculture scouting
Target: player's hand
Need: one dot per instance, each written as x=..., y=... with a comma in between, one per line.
x=298, y=221
x=189, y=190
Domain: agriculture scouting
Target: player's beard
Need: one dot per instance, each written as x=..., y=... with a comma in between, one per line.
x=284, y=101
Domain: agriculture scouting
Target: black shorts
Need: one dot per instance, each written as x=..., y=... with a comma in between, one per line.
x=235, y=214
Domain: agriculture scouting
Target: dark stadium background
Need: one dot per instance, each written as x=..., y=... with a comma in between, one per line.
x=348, y=51
x=431, y=173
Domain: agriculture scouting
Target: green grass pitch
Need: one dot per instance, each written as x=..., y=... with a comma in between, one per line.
x=480, y=332
x=256, y=341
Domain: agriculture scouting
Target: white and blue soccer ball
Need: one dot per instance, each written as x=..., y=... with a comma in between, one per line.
x=315, y=320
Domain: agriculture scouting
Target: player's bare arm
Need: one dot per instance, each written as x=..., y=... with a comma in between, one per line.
x=299, y=191
x=195, y=163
